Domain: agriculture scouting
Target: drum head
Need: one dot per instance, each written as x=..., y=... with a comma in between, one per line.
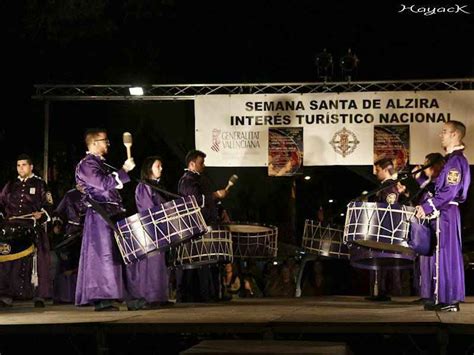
x=385, y=246
x=248, y=228
x=375, y=259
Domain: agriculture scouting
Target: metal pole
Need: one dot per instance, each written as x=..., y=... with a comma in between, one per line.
x=46, y=141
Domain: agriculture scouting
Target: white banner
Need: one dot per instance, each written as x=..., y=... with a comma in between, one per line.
x=338, y=129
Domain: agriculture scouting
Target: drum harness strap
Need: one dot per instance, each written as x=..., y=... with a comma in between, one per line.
x=146, y=182
x=101, y=211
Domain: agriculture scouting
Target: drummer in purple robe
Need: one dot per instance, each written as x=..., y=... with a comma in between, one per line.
x=147, y=279
x=68, y=221
x=383, y=280
x=426, y=180
x=200, y=284
x=100, y=278
x=390, y=192
x=452, y=184
x=26, y=201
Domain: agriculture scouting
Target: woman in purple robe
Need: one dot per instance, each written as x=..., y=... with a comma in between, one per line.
x=100, y=279
x=147, y=279
x=451, y=189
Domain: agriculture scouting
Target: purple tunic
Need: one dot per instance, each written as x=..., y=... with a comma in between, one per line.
x=192, y=183
x=388, y=280
x=148, y=278
x=389, y=194
x=450, y=189
x=70, y=213
x=18, y=198
x=197, y=285
x=100, y=266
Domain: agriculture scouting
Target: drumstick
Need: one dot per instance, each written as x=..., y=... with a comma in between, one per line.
x=232, y=180
x=127, y=142
x=25, y=216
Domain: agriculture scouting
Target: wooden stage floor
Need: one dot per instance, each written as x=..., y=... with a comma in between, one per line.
x=330, y=317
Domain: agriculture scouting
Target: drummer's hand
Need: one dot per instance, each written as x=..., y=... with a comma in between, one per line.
x=128, y=165
x=401, y=188
x=37, y=215
x=221, y=193
x=420, y=213
x=418, y=174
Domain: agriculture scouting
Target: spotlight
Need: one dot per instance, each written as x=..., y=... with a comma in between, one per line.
x=342, y=214
x=136, y=91
x=307, y=177
x=331, y=201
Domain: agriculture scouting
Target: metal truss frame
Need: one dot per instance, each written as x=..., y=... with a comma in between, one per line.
x=48, y=93
x=190, y=91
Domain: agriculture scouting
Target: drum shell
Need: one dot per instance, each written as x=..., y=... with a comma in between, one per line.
x=252, y=240
x=379, y=226
x=325, y=241
x=17, y=240
x=159, y=228
x=213, y=247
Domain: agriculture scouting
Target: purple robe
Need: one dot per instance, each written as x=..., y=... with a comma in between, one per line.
x=18, y=198
x=70, y=213
x=198, y=185
x=389, y=194
x=388, y=280
x=100, y=266
x=450, y=190
x=197, y=284
x=148, y=278
x=422, y=273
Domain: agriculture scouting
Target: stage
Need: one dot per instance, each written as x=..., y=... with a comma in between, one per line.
x=397, y=326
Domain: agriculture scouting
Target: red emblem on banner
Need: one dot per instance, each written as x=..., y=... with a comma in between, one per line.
x=344, y=142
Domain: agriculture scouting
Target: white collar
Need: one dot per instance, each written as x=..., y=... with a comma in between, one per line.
x=28, y=177
x=191, y=171
x=96, y=155
x=458, y=147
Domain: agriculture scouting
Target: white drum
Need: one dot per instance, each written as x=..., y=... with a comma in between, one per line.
x=251, y=240
x=324, y=241
x=213, y=247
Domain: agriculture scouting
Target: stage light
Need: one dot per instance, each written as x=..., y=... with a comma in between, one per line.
x=331, y=201
x=275, y=263
x=136, y=91
x=307, y=177
x=342, y=214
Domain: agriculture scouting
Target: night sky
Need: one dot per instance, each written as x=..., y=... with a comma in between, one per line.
x=172, y=41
